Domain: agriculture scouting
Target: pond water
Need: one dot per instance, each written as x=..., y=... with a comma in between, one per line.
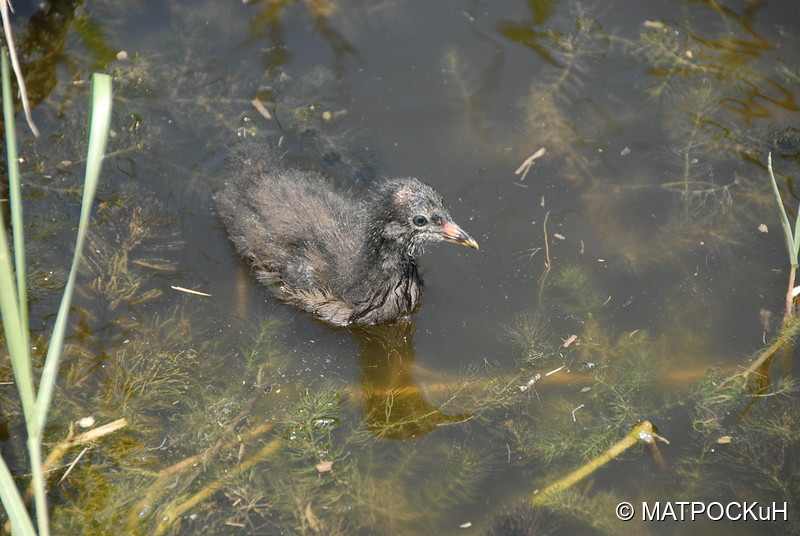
x=632, y=271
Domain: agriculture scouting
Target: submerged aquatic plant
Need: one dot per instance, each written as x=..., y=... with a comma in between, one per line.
x=123, y=252
x=531, y=335
x=551, y=107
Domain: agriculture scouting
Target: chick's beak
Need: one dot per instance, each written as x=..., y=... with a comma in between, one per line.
x=455, y=234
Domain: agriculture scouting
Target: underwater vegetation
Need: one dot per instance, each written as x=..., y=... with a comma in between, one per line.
x=177, y=415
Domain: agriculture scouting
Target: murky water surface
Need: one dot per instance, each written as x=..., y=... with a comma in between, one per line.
x=630, y=272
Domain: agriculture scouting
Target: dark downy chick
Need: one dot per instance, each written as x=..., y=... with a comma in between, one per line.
x=343, y=257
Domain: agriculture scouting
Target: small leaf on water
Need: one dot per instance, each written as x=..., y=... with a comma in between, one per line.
x=323, y=467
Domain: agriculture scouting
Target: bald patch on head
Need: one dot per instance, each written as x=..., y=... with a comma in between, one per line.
x=403, y=196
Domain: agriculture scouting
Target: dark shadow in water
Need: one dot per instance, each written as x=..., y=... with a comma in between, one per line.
x=270, y=23
x=393, y=405
x=42, y=43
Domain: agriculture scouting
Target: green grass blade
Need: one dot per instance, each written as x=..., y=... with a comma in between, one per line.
x=13, y=305
x=38, y=484
x=14, y=309
x=99, y=124
x=789, y=238
x=21, y=524
x=797, y=232
x=18, y=351
x=15, y=199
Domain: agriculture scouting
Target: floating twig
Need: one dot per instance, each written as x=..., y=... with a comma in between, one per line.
x=189, y=291
x=526, y=165
x=260, y=108
x=72, y=465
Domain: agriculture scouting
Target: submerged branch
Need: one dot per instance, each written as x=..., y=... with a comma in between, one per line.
x=149, y=500
x=643, y=431
x=96, y=433
x=178, y=507
x=785, y=337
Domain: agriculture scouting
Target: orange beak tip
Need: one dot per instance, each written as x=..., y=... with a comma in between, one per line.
x=455, y=234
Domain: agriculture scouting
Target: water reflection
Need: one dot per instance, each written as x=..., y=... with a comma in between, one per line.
x=41, y=46
x=269, y=22
x=394, y=407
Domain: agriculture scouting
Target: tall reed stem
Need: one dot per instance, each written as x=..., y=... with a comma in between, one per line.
x=14, y=306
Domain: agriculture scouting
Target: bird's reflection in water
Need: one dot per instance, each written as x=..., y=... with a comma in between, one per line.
x=393, y=405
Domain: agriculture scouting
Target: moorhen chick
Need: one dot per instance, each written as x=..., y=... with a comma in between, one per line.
x=345, y=258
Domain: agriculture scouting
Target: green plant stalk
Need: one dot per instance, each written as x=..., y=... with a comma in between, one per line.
x=15, y=199
x=789, y=237
x=9, y=494
x=21, y=524
x=36, y=405
x=39, y=485
x=13, y=304
x=790, y=296
x=639, y=432
x=15, y=324
x=99, y=124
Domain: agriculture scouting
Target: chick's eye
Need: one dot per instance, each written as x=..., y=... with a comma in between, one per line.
x=419, y=220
